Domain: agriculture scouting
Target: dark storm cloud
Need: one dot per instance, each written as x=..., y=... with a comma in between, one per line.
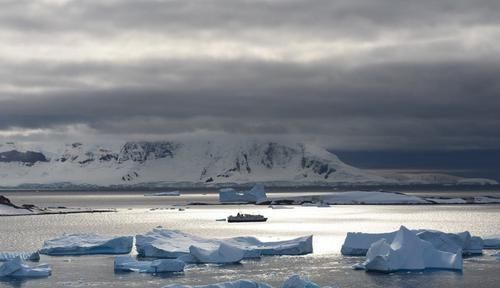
x=353, y=73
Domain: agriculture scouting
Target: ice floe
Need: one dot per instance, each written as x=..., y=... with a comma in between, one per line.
x=170, y=193
x=492, y=242
x=222, y=254
x=357, y=243
x=163, y=243
x=81, y=244
x=294, y=281
x=16, y=268
x=256, y=195
x=127, y=263
x=7, y=256
x=408, y=252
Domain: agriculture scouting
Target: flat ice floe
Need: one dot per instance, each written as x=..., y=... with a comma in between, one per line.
x=16, y=268
x=372, y=197
x=127, y=263
x=82, y=244
x=163, y=243
x=7, y=256
x=492, y=242
x=358, y=243
x=408, y=252
x=256, y=195
x=294, y=281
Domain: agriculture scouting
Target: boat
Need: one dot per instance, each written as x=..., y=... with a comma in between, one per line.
x=246, y=218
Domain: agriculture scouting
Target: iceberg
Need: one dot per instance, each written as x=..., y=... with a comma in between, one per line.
x=170, y=193
x=372, y=197
x=31, y=256
x=82, y=244
x=492, y=242
x=357, y=243
x=163, y=243
x=127, y=263
x=408, y=252
x=294, y=281
x=221, y=255
x=461, y=242
x=16, y=268
x=244, y=283
x=256, y=195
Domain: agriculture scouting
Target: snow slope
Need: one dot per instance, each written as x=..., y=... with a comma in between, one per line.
x=184, y=163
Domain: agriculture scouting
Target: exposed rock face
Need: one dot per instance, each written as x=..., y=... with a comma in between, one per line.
x=28, y=157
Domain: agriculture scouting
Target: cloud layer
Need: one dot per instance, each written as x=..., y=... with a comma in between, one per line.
x=351, y=74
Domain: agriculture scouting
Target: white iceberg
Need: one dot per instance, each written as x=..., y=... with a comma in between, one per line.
x=357, y=243
x=294, y=281
x=492, y=242
x=256, y=195
x=408, y=252
x=127, y=263
x=460, y=242
x=16, y=268
x=163, y=243
x=31, y=256
x=244, y=283
x=170, y=193
x=82, y=244
x=223, y=254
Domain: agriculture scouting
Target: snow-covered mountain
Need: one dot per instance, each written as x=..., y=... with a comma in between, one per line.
x=186, y=163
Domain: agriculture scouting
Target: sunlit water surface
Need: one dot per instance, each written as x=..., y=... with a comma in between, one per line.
x=325, y=266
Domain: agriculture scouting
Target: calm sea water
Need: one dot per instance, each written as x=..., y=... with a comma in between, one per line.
x=325, y=266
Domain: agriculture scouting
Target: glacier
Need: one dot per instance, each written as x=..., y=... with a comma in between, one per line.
x=408, y=252
x=358, y=243
x=16, y=268
x=127, y=263
x=188, y=163
x=163, y=243
x=87, y=243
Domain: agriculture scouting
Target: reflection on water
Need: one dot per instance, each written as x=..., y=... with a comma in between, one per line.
x=325, y=266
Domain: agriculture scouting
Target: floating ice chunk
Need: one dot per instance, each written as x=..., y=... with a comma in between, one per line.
x=81, y=244
x=171, y=193
x=454, y=243
x=234, y=284
x=256, y=195
x=16, y=268
x=32, y=256
x=296, y=246
x=162, y=243
x=294, y=281
x=357, y=244
x=127, y=263
x=492, y=242
x=408, y=252
x=221, y=255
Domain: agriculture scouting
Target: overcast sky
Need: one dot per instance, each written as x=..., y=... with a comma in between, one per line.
x=351, y=74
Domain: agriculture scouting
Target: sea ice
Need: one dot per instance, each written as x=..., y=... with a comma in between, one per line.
x=357, y=243
x=163, y=243
x=408, y=252
x=127, y=263
x=16, y=268
x=81, y=244
x=256, y=195
x=492, y=242
x=32, y=256
x=295, y=281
